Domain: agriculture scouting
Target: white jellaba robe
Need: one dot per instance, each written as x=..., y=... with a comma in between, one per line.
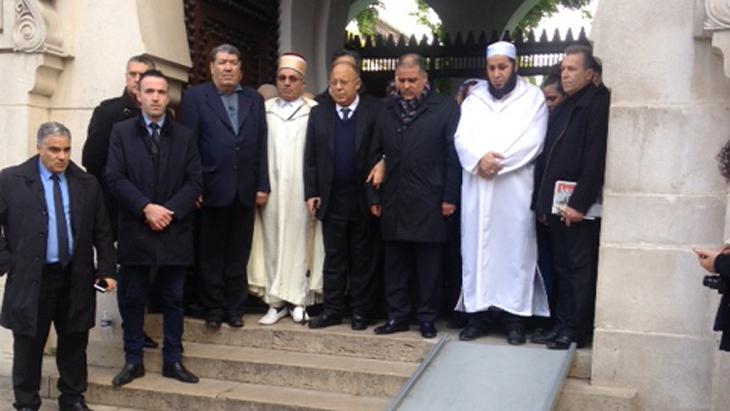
x=277, y=267
x=498, y=244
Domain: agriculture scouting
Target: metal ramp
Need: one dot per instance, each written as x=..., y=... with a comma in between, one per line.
x=472, y=376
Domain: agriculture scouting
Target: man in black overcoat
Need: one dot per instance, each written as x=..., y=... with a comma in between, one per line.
x=336, y=166
x=575, y=151
x=415, y=134
x=52, y=220
x=154, y=173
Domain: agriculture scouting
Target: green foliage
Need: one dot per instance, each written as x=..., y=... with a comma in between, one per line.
x=546, y=8
x=422, y=17
x=367, y=18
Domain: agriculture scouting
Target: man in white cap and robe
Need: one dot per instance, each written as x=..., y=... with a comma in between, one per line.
x=500, y=134
x=287, y=253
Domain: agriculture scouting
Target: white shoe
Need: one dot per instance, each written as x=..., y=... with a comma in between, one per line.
x=273, y=315
x=299, y=315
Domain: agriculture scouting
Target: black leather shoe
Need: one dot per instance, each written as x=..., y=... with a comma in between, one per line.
x=542, y=336
x=27, y=409
x=129, y=372
x=325, y=319
x=79, y=405
x=470, y=333
x=234, y=321
x=178, y=371
x=428, y=330
x=213, y=324
x=149, y=342
x=561, y=342
x=392, y=326
x=516, y=336
x=358, y=322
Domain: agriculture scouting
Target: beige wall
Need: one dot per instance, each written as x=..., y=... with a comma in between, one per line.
x=670, y=114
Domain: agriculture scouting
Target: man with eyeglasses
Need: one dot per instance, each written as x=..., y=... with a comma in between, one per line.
x=288, y=241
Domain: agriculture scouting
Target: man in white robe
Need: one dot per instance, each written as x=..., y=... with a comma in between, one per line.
x=285, y=268
x=501, y=132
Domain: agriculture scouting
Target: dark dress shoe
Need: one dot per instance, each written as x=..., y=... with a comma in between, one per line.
x=516, y=336
x=27, y=409
x=472, y=332
x=129, y=372
x=428, y=330
x=392, y=326
x=213, y=324
x=178, y=371
x=542, y=336
x=561, y=342
x=234, y=321
x=149, y=342
x=358, y=322
x=325, y=319
x=79, y=405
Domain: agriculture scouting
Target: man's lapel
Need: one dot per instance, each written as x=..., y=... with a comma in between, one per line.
x=244, y=107
x=213, y=100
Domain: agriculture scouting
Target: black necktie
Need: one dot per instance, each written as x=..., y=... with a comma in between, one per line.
x=61, y=228
x=345, y=113
x=155, y=137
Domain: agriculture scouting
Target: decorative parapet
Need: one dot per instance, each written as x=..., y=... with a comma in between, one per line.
x=712, y=21
x=37, y=28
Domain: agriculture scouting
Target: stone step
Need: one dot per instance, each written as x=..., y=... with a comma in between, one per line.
x=580, y=395
x=153, y=392
x=581, y=367
x=348, y=375
x=287, y=336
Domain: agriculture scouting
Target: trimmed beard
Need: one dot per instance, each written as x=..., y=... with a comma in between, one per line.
x=508, y=86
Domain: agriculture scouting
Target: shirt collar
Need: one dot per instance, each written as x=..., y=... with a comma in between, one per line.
x=296, y=103
x=147, y=120
x=352, y=105
x=46, y=173
x=236, y=90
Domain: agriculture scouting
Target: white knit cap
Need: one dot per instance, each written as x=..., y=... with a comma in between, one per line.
x=502, y=48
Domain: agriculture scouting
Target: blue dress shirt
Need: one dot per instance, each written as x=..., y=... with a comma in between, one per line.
x=230, y=103
x=147, y=123
x=52, y=239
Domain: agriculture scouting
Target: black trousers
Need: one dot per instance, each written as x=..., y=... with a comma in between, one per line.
x=225, y=235
x=351, y=256
x=575, y=253
x=53, y=306
x=134, y=287
x=420, y=265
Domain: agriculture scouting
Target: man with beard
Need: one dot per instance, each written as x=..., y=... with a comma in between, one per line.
x=500, y=134
x=575, y=151
x=415, y=133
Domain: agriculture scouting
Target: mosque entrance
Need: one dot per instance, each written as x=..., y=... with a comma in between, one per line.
x=458, y=56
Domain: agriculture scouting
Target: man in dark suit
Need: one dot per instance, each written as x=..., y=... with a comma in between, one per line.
x=575, y=151
x=52, y=217
x=96, y=147
x=336, y=166
x=154, y=172
x=230, y=123
x=415, y=133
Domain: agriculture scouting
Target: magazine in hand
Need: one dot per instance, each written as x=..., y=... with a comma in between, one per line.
x=561, y=195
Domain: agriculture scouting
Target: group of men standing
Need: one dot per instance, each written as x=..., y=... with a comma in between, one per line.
x=328, y=185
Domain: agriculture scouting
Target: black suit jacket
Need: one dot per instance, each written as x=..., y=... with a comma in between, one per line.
x=234, y=160
x=320, y=145
x=24, y=221
x=172, y=179
x=96, y=147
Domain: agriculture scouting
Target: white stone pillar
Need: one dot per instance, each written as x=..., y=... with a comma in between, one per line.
x=670, y=115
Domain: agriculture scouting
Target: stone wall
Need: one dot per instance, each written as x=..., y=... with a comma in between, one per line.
x=670, y=115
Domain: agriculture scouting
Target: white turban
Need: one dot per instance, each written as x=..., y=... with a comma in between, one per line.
x=502, y=48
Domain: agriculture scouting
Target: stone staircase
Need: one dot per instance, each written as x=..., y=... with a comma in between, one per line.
x=290, y=367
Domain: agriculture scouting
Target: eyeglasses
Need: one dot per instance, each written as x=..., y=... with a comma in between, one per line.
x=292, y=79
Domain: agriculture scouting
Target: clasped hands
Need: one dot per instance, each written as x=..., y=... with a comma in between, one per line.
x=490, y=165
x=157, y=217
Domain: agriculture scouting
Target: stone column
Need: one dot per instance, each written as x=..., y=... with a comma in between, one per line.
x=670, y=115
